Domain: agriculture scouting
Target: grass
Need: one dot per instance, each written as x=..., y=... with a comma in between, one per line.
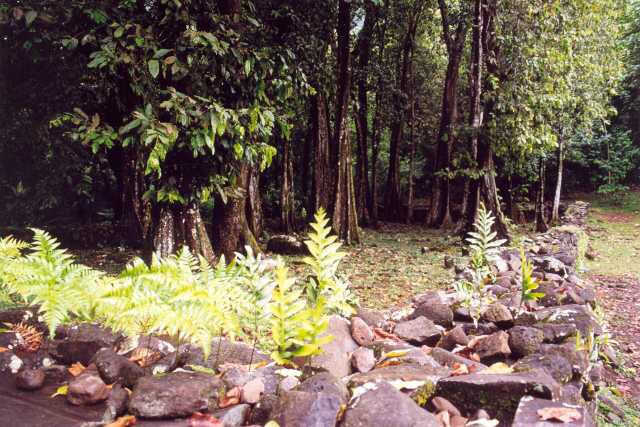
x=608, y=416
x=614, y=230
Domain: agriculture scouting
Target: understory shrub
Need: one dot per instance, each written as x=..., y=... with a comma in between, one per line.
x=184, y=296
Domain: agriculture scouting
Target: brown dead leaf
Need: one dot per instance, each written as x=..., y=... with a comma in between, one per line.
x=459, y=369
x=562, y=414
x=231, y=398
x=382, y=334
x=144, y=356
x=3, y=349
x=76, y=369
x=126, y=421
x=204, y=420
x=389, y=362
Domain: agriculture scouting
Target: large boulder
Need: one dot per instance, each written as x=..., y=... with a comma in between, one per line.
x=524, y=340
x=579, y=315
x=385, y=406
x=498, y=394
x=418, y=331
x=335, y=356
x=174, y=395
x=439, y=313
x=325, y=382
x=306, y=409
x=223, y=351
x=81, y=342
x=493, y=347
x=87, y=389
x=527, y=414
x=453, y=338
x=116, y=368
x=428, y=374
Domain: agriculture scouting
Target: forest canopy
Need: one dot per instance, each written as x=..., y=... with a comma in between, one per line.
x=198, y=123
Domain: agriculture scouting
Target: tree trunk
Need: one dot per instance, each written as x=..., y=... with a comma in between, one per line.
x=345, y=218
x=412, y=141
x=471, y=198
x=555, y=215
x=541, y=222
x=254, y=214
x=321, y=166
x=440, y=212
x=286, y=193
x=229, y=218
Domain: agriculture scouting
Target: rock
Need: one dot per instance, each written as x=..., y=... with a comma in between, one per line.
x=81, y=343
x=439, y=313
x=252, y=391
x=335, y=355
x=87, y=389
x=116, y=368
x=387, y=407
x=578, y=359
x=326, y=383
x=493, y=347
x=483, y=328
x=177, y=394
x=498, y=394
x=556, y=333
x=361, y=332
x=524, y=340
x=453, y=338
x=117, y=402
x=418, y=331
x=441, y=404
x=579, y=315
x=449, y=261
x=286, y=245
x=447, y=358
x=302, y=409
x=556, y=366
x=527, y=414
x=261, y=412
x=429, y=297
x=416, y=356
x=428, y=374
x=30, y=379
x=288, y=384
x=238, y=376
x=363, y=359
x=373, y=318
x=234, y=416
x=498, y=314
x=228, y=351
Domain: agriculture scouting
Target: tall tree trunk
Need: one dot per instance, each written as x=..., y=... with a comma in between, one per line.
x=362, y=117
x=472, y=186
x=440, y=212
x=541, y=222
x=392, y=202
x=555, y=214
x=412, y=141
x=254, y=214
x=345, y=218
x=321, y=166
x=229, y=218
x=286, y=193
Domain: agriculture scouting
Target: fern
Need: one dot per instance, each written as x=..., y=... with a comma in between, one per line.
x=324, y=260
x=10, y=250
x=528, y=283
x=483, y=243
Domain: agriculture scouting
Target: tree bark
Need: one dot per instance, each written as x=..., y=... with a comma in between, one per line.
x=440, y=212
x=254, y=214
x=471, y=199
x=321, y=167
x=555, y=213
x=541, y=222
x=412, y=141
x=229, y=218
x=345, y=218
x=286, y=193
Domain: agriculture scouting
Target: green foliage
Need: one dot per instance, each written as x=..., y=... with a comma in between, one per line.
x=528, y=284
x=482, y=242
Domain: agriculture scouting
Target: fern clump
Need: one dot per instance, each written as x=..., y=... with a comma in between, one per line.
x=482, y=242
x=10, y=250
x=528, y=283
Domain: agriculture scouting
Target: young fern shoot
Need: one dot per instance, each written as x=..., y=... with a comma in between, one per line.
x=528, y=282
x=482, y=242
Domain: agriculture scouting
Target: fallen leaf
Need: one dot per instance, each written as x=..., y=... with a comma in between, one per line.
x=204, y=420
x=497, y=368
x=459, y=369
x=3, y=349
x=475, y=340
x=144, y=356
x=126, y=421
x=76, y=369
x=562, y=414
x=231, y=398
x=382, y=334
x=389, y=362
x=396, y=353
x=61, y=391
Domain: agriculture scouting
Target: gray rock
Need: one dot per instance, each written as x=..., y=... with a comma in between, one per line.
x=527, y=414
x=439, y=313
x=234, y=416
x=335, y=355
x=453, y=338
x=326, y=383
x=387, y=407
x=498, y=394
x=306, y=409
x=498, y=314
x=82, y=342
x=556, y=366
x=226, y=351
x=429, y=374
x=361, y=332
x=373, y=318
x=116, y=368
x=556, y=333
x=493, y=347
x=441, y=404
x=446, y=358
x=524, y=340
x=87, y=389
x=579, y=315
x=116, y=403
x=288, y=384
x=363, y=359
x=30, y=379
x=177, y=394
x=418, y=331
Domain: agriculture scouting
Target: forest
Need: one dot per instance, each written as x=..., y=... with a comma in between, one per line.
x=242, y=181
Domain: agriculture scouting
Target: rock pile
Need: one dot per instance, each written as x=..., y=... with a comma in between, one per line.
x=425, y=365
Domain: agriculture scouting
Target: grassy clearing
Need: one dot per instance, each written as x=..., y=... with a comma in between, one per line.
x=614, y=231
